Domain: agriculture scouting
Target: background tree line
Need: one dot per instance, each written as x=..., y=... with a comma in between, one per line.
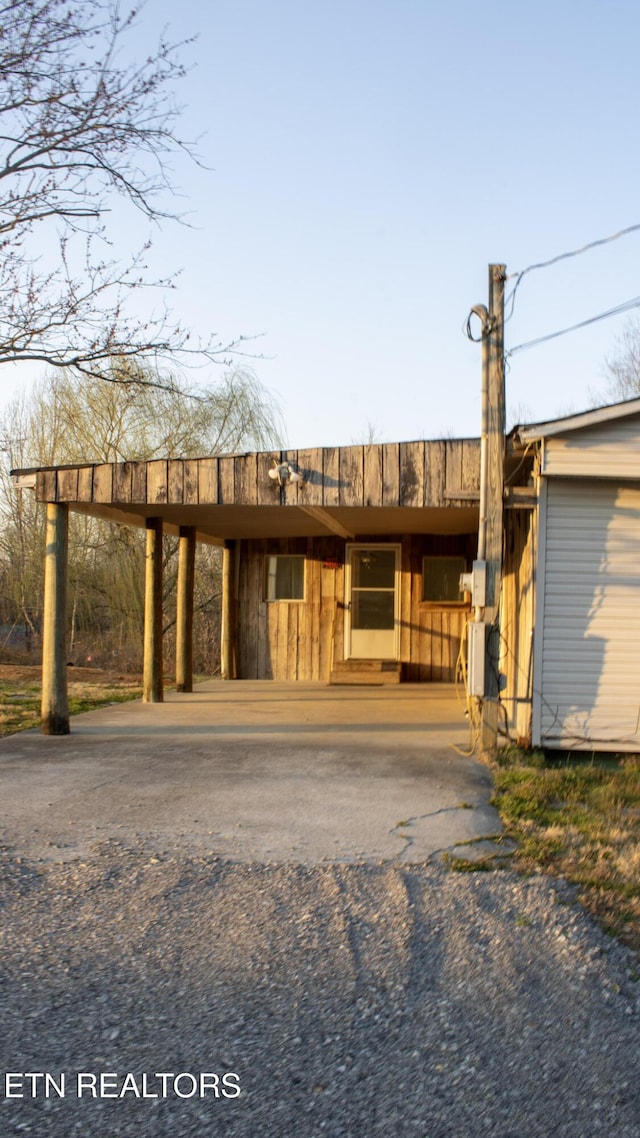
x=70, y=418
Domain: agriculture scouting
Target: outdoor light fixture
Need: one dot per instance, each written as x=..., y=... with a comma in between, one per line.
x=283, y=472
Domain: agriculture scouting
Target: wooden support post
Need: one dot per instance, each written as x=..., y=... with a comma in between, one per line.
x=152, y=683
x=495, y=505
x=227, y=646
x=55, y=706
x=184, y=608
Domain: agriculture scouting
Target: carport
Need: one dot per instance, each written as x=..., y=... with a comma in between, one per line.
x=339, y=564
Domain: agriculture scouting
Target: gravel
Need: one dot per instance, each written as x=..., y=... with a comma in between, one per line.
x=348, y=1000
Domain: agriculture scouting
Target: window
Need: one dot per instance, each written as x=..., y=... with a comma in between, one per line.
x=284, y=578
x=441, y=579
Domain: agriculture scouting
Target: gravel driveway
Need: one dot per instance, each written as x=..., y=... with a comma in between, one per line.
x=210, y=896
x=343, y=1000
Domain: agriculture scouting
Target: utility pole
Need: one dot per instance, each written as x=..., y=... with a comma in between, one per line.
x=494, y=504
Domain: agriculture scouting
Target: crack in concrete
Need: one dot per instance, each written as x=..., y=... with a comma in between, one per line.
x=430, y=814
x=410, y=839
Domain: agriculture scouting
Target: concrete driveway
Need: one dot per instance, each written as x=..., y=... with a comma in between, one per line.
x=256, y=771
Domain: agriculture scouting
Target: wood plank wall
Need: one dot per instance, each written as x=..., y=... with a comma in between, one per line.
x=517, y=617
x=301, y=640
x=389, y=474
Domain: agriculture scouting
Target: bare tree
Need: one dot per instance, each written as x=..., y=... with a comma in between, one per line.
x=82, y=130
x=623, y=366
x=370, y=434
x=73, y=419
x=68, y=418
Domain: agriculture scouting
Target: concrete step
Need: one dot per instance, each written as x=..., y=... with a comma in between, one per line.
x=366, y=672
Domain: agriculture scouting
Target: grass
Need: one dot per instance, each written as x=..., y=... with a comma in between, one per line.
x=20, y=699
x=579, y=819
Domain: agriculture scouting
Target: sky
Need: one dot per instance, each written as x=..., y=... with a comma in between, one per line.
x=364, y=162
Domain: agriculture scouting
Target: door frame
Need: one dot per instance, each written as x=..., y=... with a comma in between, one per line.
x=385, y=545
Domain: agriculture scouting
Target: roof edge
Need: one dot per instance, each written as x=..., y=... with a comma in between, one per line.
x=532, y=431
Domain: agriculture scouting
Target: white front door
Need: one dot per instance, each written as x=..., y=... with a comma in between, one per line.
x=372, y=595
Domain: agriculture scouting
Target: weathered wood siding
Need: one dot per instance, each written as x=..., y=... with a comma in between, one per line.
x=302, y=640
x=517, y=618
x=385, y=474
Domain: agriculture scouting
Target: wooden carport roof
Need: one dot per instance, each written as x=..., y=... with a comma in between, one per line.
x=357, y=491
x=383, y=488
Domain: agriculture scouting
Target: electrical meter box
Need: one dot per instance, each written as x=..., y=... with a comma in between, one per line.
x=476, y=654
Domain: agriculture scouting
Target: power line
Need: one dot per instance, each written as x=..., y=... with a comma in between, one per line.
x=575, y=252
x=562, y=257
x=626, y=306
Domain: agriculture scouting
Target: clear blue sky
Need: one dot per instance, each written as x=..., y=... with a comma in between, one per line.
x=367, y=161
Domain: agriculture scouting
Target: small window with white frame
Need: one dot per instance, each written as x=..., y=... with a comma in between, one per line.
x=441, y=579
x=284, y=577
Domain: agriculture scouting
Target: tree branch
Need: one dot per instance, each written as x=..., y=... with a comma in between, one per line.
x=78, y=128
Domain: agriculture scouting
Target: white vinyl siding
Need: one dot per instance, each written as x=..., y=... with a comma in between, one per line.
x=588, y=642
x=607, y=450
